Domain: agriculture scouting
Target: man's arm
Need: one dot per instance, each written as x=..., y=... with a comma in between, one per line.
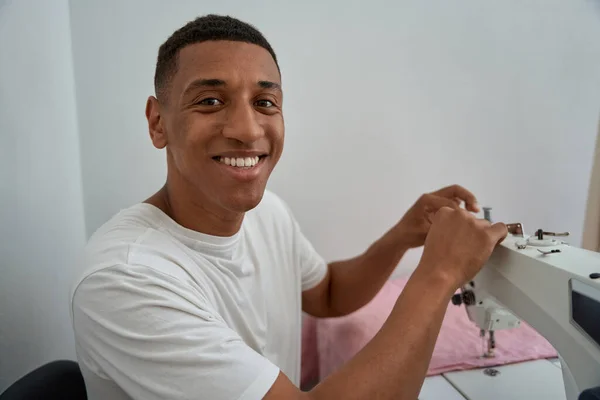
x=394, y=363
x=351, y=284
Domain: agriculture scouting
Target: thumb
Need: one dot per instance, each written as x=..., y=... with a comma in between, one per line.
x=498, y=232
x=435, y=203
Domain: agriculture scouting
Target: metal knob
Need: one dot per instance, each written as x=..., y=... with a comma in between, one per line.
x=540, y=233
x=487, y=213
x=457, y=299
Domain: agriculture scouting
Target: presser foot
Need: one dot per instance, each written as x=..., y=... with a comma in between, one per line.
x=490, y=351
x=489, y=354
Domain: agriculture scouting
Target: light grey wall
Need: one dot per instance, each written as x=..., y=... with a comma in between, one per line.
x=501, y=97
x=41, y=205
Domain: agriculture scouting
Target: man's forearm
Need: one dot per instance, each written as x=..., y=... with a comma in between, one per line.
x=394, y=363
x=354, y=282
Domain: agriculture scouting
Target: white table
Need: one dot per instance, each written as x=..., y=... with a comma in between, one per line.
x=540, y=379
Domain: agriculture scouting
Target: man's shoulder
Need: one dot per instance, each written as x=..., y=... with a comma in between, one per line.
x=133, y=242
x=272, y=204
x=133, y=232
x=272, y=223
x=272, y=210
x=124, y=228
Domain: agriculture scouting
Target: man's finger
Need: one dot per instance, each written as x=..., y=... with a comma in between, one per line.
x=457, y=191
x=483, y=223
x=434, y=203
x=498, y=232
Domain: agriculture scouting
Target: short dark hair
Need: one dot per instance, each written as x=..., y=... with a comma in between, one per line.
x=205, y=28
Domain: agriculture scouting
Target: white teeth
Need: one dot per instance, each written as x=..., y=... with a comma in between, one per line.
x=246, y=162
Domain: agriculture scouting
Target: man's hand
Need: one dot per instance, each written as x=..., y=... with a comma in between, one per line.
x=458, y=245
x=414, y=226
x=394, y=363
x=352, y=283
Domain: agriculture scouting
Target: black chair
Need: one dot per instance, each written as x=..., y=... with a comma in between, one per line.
x=590, y=394
x=53, y=381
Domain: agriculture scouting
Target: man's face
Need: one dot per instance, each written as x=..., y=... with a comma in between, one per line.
x=222, y=123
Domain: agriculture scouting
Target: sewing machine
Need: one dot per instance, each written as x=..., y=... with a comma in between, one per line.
x=553, y=287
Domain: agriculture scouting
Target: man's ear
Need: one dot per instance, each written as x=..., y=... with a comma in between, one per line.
x=155, y=123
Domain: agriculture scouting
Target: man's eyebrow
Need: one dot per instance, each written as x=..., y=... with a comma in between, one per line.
x=213, y=82
x=269, y=85
x=203, y=83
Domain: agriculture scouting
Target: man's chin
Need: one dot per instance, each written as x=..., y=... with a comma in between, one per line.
x=244, y=201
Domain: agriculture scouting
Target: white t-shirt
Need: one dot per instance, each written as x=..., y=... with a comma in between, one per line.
x=163, y=312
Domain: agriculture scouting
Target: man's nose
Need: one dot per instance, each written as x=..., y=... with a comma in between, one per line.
x=242, y=124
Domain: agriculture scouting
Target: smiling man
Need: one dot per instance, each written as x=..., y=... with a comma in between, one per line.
x=197, y=292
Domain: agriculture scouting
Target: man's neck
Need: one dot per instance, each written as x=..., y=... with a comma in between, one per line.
x=191, y=212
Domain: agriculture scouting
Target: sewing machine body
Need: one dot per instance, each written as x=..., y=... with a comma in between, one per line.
x=553, y=293
x=490, y=316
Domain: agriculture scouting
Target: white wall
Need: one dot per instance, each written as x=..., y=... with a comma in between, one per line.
x=501, y=97
x=41, y=206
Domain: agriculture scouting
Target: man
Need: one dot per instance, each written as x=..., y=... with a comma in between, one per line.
x=197, y=292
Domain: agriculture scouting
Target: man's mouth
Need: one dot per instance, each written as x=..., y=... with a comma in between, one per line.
x=240, y=162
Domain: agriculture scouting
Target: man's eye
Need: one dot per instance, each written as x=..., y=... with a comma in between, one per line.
x=264, y=103
x=210, y=102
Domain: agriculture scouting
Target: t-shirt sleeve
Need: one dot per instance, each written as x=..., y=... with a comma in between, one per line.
x=157, y=337
x=312, y=265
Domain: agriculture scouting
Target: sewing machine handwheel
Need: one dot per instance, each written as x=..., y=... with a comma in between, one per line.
x=457, y=299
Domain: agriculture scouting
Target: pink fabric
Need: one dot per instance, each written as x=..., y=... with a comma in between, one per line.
x=458, y=347
x=310, y=357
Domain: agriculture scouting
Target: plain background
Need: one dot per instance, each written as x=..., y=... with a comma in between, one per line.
x=383, y=101
x=41, y=199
